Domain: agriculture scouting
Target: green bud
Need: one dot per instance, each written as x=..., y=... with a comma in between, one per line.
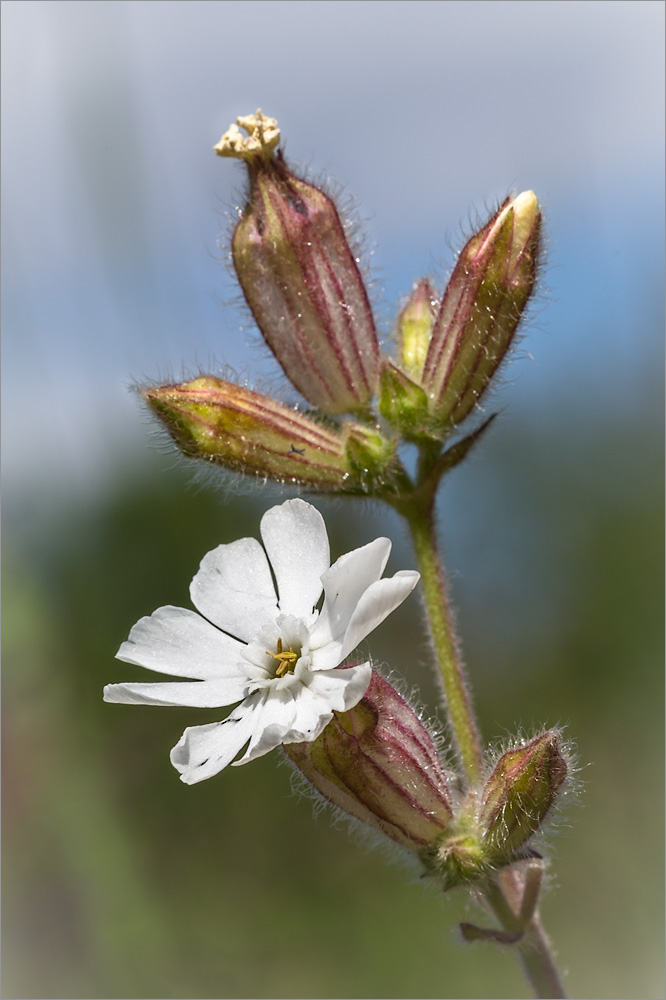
x=300, y=277
x=369, y=453
x=247, y=432
x=403, y=403
x=481, y=308
x=520, y=792
x=379, y=764
x=414, y=328
x=490, y=828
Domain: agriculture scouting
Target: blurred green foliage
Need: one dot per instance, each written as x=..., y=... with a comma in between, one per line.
x=122, y=882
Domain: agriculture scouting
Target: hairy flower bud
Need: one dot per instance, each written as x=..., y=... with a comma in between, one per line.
x=482, y=306
x=520, y=792
x=300, y=277
x=247, y=432
x=379, y=763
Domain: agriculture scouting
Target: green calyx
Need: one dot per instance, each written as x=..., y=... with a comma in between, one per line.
x=404, y=404
x=370, y=454
x=458, y=856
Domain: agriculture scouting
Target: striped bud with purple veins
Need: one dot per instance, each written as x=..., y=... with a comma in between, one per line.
x=247, y=432
x=300, y=277
x=378, y=763
x=481, y=308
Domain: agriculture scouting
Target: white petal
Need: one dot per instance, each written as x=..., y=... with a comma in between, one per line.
x=379, y=600
x=300, y=713
x=329, y=691
x=181, y=643
x=273, y=717
x=344, y=584
x=234, y=588
x=313, y=714
x=376, y=604
x=202, y=751
x=195, y=694
x=342, y=687
x=296, y=542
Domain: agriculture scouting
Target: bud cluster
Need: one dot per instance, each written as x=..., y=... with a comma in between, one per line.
x=494, y=824
x=379, y=763
x=301, y=280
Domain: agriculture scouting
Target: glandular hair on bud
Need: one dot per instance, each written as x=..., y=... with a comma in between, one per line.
x=301, y=279
x=379, y=764
x=483, y=303
x=248, y=432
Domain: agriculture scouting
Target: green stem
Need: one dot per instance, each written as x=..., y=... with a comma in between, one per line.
x=459, y=710
x=504, y=897
x=538, y=963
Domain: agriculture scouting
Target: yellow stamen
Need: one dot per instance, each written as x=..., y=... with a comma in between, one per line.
x=286, y=660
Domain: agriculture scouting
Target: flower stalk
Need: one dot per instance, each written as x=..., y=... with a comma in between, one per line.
x=462, y=722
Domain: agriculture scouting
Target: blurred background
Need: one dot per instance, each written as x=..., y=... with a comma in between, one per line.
x=119, y=881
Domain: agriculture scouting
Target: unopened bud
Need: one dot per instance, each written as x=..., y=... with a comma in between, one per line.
x=247, y=432
x=370, y=454
x=520, y=792
x=300, y=277
x=414, y=328
x=403, y=403
x=482, y=306
x=379, y=763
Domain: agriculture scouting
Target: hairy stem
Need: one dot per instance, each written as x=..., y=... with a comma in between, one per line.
x=458, y=706
x=538, y=962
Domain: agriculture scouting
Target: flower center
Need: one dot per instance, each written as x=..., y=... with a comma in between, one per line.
x=286, y=658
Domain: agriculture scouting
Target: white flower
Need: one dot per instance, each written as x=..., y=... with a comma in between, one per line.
x=277, y=653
